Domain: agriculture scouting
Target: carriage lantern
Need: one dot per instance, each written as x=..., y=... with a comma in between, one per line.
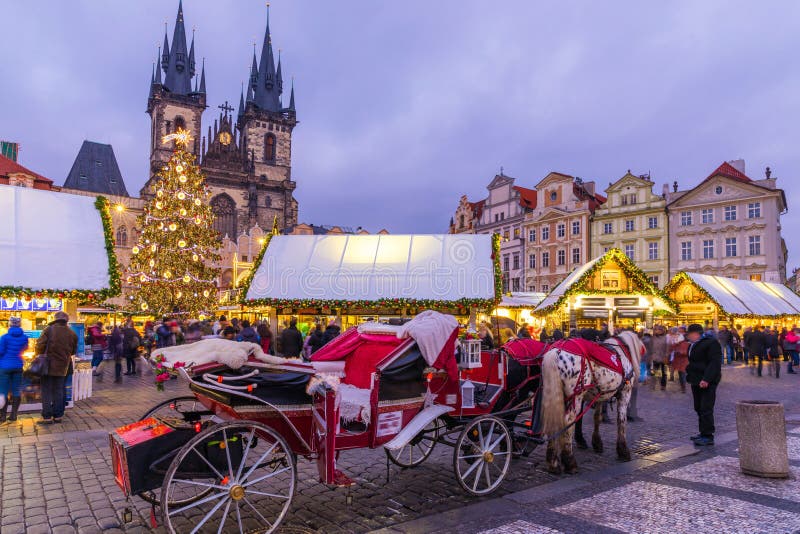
x=467, y=394
x=470, y=353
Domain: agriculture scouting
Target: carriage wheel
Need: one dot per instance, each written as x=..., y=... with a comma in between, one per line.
x=482, y=455
x=245, y=472
x=418, y=449
x=180, y=412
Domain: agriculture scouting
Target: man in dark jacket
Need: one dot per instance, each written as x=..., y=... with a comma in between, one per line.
x=291, y=340
x=131, y=341
x=523, y=332
x=704, y=373
x=773, y=352
x=59, y=343
x=331, y=331
x=248, y=333
x=164, y=335
x=756, y=346
x=317, y=340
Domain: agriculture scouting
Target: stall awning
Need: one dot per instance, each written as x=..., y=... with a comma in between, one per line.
x=393, y=270
x=745, y=297
x=51, y=241
x=522, y=300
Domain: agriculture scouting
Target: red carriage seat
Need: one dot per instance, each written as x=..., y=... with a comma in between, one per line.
x=361, y=353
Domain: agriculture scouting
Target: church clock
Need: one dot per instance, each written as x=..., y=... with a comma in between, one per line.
x=225, y=138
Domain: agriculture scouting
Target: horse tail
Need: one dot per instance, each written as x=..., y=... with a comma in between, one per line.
x=552, y=395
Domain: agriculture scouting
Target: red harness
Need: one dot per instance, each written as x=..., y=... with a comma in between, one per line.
x=605, y=355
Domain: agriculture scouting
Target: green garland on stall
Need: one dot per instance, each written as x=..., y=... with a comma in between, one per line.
x=580, y=286
x=257, y=263
x=461, y=305
x=80, y=295
x=683, y=276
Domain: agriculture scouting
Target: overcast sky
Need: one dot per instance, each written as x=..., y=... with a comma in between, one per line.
x=404, y=106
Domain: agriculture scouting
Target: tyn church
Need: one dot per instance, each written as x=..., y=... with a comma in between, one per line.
x=247, y=157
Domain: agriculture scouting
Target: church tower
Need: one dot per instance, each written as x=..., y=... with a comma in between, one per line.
x=173, y=103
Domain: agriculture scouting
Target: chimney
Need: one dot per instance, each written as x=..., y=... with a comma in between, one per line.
x=738, y=164
x=665, y=190
x=589, y=187
x=675, y=186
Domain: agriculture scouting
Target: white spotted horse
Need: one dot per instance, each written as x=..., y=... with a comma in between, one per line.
x=576, y=371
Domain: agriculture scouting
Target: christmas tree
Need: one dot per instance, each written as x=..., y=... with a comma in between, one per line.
x=170, y=266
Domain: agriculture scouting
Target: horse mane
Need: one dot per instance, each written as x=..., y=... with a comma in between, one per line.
x=634, y=345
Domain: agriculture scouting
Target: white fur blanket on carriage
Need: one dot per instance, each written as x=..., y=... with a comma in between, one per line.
x=234, y=354
x=431, y=330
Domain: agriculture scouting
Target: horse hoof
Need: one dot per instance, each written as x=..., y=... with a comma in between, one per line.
x=554, y=469
x=597, y=444
x=624, y=454
x=570, y=465
x=581, y=444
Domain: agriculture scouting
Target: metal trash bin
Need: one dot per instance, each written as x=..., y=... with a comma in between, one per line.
x=761, y=428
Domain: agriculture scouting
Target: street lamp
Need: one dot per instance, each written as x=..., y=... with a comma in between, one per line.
x=119, y=207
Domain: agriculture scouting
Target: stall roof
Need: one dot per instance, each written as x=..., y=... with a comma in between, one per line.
x=350, y=270
x=578, y=277
x=521, y=300
x=745, y=297
x=51, y=241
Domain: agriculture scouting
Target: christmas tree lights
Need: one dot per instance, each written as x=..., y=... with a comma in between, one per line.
x=170, y=266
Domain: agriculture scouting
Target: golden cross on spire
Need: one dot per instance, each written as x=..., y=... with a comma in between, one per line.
x=181, y=137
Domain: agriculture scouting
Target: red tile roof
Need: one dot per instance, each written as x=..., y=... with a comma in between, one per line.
x=729, y=171
x=527, y=197
x=8, y=166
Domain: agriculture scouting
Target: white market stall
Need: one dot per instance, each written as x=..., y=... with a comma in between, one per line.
x=717, y=300
x=57, y=251
x=368, y=277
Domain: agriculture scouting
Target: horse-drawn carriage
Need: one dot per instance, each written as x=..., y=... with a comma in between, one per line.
x=226, y=458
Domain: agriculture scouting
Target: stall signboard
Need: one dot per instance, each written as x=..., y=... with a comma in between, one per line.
x=34, y=305
x=626, y=301
x=630, y=314
x=593, y=301
x=593, y=313
x=696, y=309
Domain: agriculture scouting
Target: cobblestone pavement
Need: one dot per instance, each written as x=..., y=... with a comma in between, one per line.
x=58, y=478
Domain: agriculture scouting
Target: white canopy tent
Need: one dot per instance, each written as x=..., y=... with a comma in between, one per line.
x=374, y=268
x=51, y=240
x=745, y=297
x=522, y=300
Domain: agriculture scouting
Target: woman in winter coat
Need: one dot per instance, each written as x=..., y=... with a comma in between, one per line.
x=12, y=345
x=265, y=334
x=248, y=333
x=791, y=344
x=99, y=344
x=659, y=354
x=679, y=353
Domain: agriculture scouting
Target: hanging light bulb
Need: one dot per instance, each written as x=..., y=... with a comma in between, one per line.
x=195, y=257
x=181, y=195
x=160, y=193
x=152, y=263
x=186, y=278
x=160, y=225
x=129, y=279
x=179, y=294
x=183, y=212
x=153, y=247
x=167, y=274
x=144, y=305
x=173, y=227
x=182, y=243
x=197, y=202
x=135, y=250
x=142, y=278
x=182, y=178
x=179, y=168
x=197, y=220
x=159, y=205
x=205, y=293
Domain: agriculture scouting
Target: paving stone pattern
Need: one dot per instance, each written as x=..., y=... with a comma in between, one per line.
x=58, y=478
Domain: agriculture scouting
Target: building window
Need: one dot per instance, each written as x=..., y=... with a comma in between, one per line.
x=561, y=230
x=244, y=259
x=515, y=261
x=708, y=249
x=730, y=213
x=553, y=196
x=576, y=227
x=624, y=200
x=755, y=277
x=561, y=257
x=633, y=198
x=496, y=217
x=505, y=262
x=532, y=235
x=730, y=247
x=608, y=228
x=460, y=220
x=505, y=234
x=180, y=123
x=652, y=222
x=532, y=261
x=269, y=148
x=502, y=216
x=576, y=255
x=652, y=251
x=606, y=249
x=686, y=250
x=516, y=232
x=629, y=225
x=545, y=233
x=653, y=280
x=686, y=218
x=754, y=242
x=505, y=283
x=224, y=209
x=629, y=251
x=545, y=259
x=754, y=210
x=545, y=288
x=515, y=284
x=122, y=236
x=708, y=216
x=532, y=289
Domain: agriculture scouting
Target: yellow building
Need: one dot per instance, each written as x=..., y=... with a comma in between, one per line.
x=634, y=220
